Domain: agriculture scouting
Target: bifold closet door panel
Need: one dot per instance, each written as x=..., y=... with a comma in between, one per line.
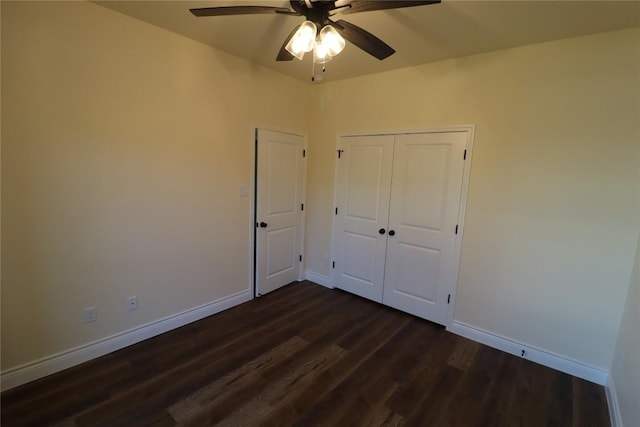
x=424, y=205
x=363, y=184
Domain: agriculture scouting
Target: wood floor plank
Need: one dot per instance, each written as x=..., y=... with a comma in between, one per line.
x=369, y=404
x=391, y=420
x=590, y=408
x=334, y=406
x=463, y=354
x=499, y=402
x=307, y=355
x=197, y=402
x=303, y=373
x=64, y=395
x=397, y=354
x=559, y=408
x=329, y=329
x=292, y=294
x=370, y=337
x=324, y=333
x=198, y=370
x=423, y=377
x=432, y=408
x=476, y=387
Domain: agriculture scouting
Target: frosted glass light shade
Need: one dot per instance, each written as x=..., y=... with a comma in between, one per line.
x=332, y=40
x=321, y=53
x=303, y=40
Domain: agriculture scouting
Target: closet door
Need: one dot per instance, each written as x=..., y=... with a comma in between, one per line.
x=362, y=210
x=425, y=201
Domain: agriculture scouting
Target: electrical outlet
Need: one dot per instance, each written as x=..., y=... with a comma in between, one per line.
x=132, y=303
x=90, y=315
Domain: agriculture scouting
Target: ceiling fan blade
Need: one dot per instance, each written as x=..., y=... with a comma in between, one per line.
x=357, y=6
x=240, y=10
x=297, y=5
x=364, y=40
x=284, y=54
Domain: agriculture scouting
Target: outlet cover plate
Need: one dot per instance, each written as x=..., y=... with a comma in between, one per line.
x=132, y=303
x=90, y=315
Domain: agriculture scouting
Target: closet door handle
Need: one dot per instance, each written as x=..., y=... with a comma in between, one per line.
x=263, y=224
x=381, y=231
x=392, y=233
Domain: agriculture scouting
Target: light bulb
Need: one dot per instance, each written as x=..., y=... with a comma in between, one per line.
x=332, y=40
x=303, y=40
x=321, y=53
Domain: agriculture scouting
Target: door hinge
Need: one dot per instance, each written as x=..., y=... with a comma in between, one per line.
x=340, y=153
x=300, y=258
x=304, y=153
x=302, y=206
x=464, y=157
x=456, y=228
x=336, y=211
x=449, y=299
x=333, y=264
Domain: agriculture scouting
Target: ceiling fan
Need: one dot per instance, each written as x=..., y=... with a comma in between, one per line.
x=318, y=32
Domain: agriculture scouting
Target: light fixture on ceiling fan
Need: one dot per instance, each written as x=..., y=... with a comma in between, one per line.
x=325, y=44
x=330, y=40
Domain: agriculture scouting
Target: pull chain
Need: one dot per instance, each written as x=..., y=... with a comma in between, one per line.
x=313, y=71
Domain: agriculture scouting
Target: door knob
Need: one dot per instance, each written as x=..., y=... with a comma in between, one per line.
x=263, y=224
x=381, y=231
x=392, y=233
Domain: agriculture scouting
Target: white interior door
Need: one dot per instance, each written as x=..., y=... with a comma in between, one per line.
x=362, y=209
x=278, y=209
x=425, y=201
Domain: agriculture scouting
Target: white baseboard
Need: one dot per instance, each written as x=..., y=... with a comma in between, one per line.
x=51, y=364
x=543, y=357
x=612, y=402
x=320, y=279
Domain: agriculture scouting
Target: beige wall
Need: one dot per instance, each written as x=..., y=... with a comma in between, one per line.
x=552, y=209
x=124, y=148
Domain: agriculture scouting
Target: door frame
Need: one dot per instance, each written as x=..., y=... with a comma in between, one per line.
x=470, y=136
x=253, y=199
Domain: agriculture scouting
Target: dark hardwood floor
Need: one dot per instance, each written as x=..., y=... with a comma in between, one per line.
x=306, y=355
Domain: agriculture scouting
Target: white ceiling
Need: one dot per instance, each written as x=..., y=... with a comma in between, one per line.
x=419, y=34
